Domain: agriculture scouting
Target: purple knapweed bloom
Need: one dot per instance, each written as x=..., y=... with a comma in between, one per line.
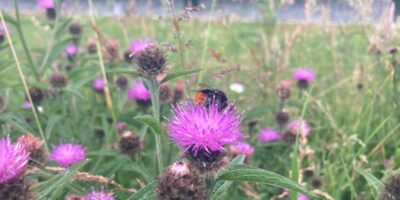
x=99, y=195
x=45, y=4
x=208, y=130
x=269, y=135
x=13, y=160
x=138, y=92
x=139, y=45
x=303, y=77
x=298, y=127
x=302, y=197
x=98, y=85
x=27, y=105
x=242, y=148
x=71, y=50
x=67, y=154
x=120, y=126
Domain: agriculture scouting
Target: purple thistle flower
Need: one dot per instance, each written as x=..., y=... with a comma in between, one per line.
x=98, y=85
x=242, y=148
x=13, y=160
x=3, y=29
x=139, y=45
x=67, y=154
x=45, y=4
x=302, y=74
x=298, y=127
x=302, y=197
x=71, y=50
x=99, y=195
x=120, y=126
x=26, y=105
x=196, y=127
x=269, y=135
x=138, y=92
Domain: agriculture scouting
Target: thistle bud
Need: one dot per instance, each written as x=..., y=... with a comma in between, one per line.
x=282, y=117
x=283, y=90
x=112, y=47
x=122, y=82
x=391, y=190
x=37, y=95
x=75, y=29
x=91, y=46
x=130, y=143
x=58, y=80
x=165, y=93
x=151, y=61
x=51, y=13
x=180, y=182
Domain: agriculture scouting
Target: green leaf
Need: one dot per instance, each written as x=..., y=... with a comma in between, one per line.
x=123, y=71
x=147, y=192
x=177, y=74
x=149, y=121
x=53, y=188
x=375, y=183
x=221, y=187
x=253, y=174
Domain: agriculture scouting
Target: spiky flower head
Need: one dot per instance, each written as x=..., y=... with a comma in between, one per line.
x=71, y=50
x=13, y=161
x=303, y=77
x=45, y=4
x=242, y=148
x=120, y=126
x=58, y=80
x=99, y=195
x=391, y=190
x=282, y=117
x=27, y=105
x=33, y=145
x=196, y=127
x=138, y=92
x=151, y=61
x=98, y=85
x=130, y=143
x=139, y=45
x=181, y=182
x=67, y=154
x=283, y=89
x=269, y=135
x=165, y=93
x=75, y=29
x=122, y=81
x=37, y=95
x=112, y=49
x=302, y=197
x=298, y=127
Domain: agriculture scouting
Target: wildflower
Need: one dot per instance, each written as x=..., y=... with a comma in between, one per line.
x=49, y=6
x=26, y=105
x=302, y=197
x=139, y=45
x=303, y=77
x=67, y=154
x=269, y=135
x=140, y=94
x=33, y=145
x=203, y=132
x=283, y=90
x=99, y=195
x=282, y=117
x=73, y=197
x=122, y=81
x=391, y=190
x=242, y=148
x=58, y=80
x=98, y=85
x=91, y=46
x=151, y=61
x=165, y=93
x=316, y=183
x=120, y=126
x=37, y=95
x=130, y=143
x=13, y=161
x=71, y=50
x=75, y=29
x=294, y=128
x=181, y=182
x=112, y=47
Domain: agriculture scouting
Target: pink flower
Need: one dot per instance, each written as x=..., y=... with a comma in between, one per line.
x=208, y=130
x=269, y=135
x=138, y=92
x=45, y=4
x=26, y=105
x=98, y=85
x=242, y=148
x=298, y=127
x=302, y=74
x=139, y=45
x=13, y=160
x=99, y=195
x=302, y=197
x=71, y=50
x=67, y=154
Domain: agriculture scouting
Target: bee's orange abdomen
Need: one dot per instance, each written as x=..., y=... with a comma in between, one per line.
x=200, y=98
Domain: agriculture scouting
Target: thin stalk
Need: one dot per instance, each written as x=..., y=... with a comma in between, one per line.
x=154, y=88
x=21, y=74
x=23, y=41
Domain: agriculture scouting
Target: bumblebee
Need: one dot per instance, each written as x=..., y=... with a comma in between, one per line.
x=206, y=97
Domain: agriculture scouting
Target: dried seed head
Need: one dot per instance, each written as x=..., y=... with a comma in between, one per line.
x=283, y=90
x=112, y=48
x=206, y=163
x=282, y=117
x=58, y=80
x=180, y=182
x=51, y=13
x=32, y=144
x=391, y=190
x=19, y=190
x=75, y=29
x=130, y=143
x=37, y=95
x=151, y=61
x=165, y=93
x=122, y=82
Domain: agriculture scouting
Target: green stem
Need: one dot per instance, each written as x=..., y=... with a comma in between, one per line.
x=154, y=88
x=23, y=41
